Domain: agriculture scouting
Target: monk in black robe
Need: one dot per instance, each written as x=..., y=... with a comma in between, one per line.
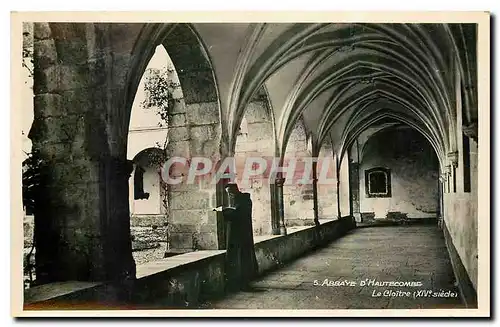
x=241, y=263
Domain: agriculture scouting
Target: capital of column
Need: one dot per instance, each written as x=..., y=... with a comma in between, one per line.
x=453, y=158
x=471, y=130
x=448, y=170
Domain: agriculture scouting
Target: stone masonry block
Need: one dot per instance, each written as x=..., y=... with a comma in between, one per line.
x=203, y=113
x=176, y=134
x=207, y=228
x=77, y=206
x=51, y=150
x=97, y=71
x=202, y=133
x=205, y=148
x=189, y=200
x=177, y=120
x=179, y=107
x=256, y=111
x=148, y=220
x=181, y=240
x=60, y=129
x=260, y=131
x=177, y=92
x=182, y=228
x=45, y=53
x=59, y=78
x=298, y=134
x=198, y=86
x=41, y=31
x=206, y=241
x=48, y=104
x=149, y=234
x=72, y=51
x=178, y=149
x=121, y=67
x=183, y=187
x=193, y=217
x=75, y=171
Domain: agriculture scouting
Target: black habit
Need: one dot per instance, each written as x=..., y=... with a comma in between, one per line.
x=241, y=265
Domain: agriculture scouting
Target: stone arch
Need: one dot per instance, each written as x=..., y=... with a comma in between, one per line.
x=327, y=176
x=86, y=76
x=298, y=196
x=194, y=131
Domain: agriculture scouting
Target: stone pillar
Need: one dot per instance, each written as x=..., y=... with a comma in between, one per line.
x=280, y=204
x=354, y=187
x=339, y=213
x=221, y=198
x=275, y=218
x=453, y=159
x=441, y=201
x=82, y=218
x=256, y=140
x=315, y=192
x=448, y=179
x=117, y=241
x=192, y=223
x=470, y=130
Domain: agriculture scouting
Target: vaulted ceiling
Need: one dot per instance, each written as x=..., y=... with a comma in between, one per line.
x=342, y=78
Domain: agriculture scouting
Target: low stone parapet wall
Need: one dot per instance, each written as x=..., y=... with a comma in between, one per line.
x=183, y=281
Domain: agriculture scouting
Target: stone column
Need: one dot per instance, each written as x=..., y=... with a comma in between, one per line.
x=339, y=214
x=82, y=229
x=354, y=187
x=275, y=218
x=453, y=159
x=280, y=204
x=220, y=200
x=448, y=179
x=315, y=192
x=192, y=223
x=441, y=201
x=471, y=130
x=116, y=227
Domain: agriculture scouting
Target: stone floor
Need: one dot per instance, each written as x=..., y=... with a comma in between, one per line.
x=392, y=253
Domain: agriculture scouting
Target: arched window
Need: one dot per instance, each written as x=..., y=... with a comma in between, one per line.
x=378, y=182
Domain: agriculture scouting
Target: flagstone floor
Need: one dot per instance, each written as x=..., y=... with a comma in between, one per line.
x=332, y=277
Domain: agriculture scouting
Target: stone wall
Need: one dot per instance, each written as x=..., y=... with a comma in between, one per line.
x=150, y=236
x=327, y=192
x=86, y=76
x=461, y=218
x=344, y=187
x=256, y=139
x=274, y=253
x=184, y=282
x=298, y=198
x=197, y=134
x=414, y=174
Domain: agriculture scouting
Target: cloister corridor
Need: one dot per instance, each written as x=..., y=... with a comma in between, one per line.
x=390, y=253
x=334, y=154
